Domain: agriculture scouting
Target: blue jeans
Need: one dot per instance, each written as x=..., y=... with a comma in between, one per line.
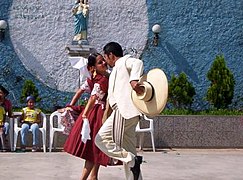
x=35, y=131
x=6, y=128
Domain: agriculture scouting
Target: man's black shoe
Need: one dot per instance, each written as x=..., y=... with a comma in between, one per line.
x=136, y=168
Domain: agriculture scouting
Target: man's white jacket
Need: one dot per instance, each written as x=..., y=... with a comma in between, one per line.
x=125, y=70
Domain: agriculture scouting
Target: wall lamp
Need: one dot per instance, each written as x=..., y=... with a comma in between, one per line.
x=156, y=31
x=3, y=26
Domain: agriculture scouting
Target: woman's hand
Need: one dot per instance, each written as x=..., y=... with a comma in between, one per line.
x=84, y=116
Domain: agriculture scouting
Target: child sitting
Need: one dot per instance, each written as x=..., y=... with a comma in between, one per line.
x=31, y=118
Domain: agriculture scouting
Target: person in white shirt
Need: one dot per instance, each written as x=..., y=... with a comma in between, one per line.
x=116, y=137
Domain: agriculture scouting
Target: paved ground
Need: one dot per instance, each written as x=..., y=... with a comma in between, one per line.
x=176, y=164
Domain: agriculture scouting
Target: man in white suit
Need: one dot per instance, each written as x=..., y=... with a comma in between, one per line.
x=116, y=138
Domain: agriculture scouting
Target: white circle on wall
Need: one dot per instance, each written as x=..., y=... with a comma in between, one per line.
x=40, y=31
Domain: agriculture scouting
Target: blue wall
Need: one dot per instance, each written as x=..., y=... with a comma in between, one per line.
x=192, y=34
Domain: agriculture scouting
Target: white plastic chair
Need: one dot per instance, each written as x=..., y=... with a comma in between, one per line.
x=17, y=129
x=11, y=133
x=58, y=128
x=2, y=137
x=143, y=130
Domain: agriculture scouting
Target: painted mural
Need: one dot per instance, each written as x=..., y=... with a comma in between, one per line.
x=192, y=34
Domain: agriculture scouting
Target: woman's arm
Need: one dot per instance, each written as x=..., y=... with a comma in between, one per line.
x=89, y=106
x=77, y=95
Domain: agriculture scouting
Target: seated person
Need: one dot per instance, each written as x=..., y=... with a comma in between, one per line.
x=7, y=105
x=30, y=119
x=2, y=135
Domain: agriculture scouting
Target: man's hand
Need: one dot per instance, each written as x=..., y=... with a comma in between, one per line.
x=136, y=86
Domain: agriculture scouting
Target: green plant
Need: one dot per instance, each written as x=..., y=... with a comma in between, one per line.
x=29, y=89
x=221, y=90
x=181, y=91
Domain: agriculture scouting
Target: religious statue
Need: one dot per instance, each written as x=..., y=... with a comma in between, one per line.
x=80, y=12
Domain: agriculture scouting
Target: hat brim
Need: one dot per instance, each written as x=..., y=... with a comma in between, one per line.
x=157, y=78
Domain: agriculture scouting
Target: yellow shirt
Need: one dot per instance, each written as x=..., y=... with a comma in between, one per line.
x=2, y=115
x=31, y=115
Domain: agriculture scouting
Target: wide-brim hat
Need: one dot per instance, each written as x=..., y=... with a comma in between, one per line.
x=154, y=98
x=5, y=91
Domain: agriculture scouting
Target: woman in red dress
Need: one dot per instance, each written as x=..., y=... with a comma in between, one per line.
x=97, y=85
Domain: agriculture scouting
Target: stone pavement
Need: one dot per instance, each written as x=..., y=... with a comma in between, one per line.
x=165, y=164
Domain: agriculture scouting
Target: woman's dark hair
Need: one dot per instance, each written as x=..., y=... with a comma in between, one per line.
x=30, y=98
x=114, y=48
x=5, y=91
x=92, y=59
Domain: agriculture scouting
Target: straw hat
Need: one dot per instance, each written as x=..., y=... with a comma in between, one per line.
x=154, y=98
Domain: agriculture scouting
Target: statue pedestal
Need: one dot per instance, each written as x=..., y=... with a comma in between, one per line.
x=82, y=49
